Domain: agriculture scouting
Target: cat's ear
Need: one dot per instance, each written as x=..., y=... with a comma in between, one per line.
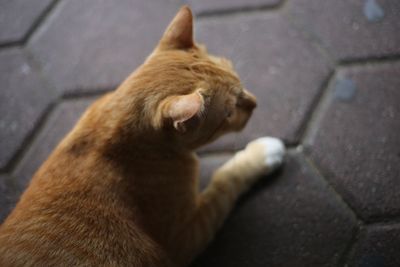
x=181, y=110
x=179, y=34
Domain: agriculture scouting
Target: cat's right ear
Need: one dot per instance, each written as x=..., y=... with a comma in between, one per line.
x=182, y=111
x=179, y=33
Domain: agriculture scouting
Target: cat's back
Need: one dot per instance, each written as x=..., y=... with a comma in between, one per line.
x=71, y=230
x=41, y=241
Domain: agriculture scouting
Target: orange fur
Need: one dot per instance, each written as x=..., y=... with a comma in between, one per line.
x=121, y=189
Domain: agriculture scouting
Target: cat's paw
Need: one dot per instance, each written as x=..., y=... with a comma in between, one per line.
x=269, y=152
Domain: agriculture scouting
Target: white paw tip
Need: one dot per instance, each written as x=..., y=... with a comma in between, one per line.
x=274, y=151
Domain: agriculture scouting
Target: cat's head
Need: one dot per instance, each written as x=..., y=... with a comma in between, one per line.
x=190, y=95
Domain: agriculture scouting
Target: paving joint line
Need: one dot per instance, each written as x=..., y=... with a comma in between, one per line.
x=311, y=127
x=315, y=107
x=383, y=219
x=360, y=224
x=30, y=138
x=339, y=63
x=315, y=168
x=350, y=248
x=40, y=124
x=310, y=37
x=87, y=93
x=36, y=24
x=41, y=121
x=393, y=221
x=361, y=231
x=9, y=45
x=241, y=10
x=38, y=128
x=350, y=62
x=40, y=20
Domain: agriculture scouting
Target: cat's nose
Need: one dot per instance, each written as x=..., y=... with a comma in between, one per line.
x=249, y=101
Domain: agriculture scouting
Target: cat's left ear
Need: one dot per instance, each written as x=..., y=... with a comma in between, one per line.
x=179, y=34
x=183, y=110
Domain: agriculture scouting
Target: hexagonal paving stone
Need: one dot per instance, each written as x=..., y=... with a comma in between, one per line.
x=356, y=142
x=18, y=16
x=275, y=62
x=23, y=98
x=351, y=28
x=96, y=44
x=292, y=219
x=58, y=125
x=9, y=193
x=378, y=246
x=207, y=6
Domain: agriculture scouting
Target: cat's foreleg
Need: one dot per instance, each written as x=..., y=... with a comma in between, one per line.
x=235, y=177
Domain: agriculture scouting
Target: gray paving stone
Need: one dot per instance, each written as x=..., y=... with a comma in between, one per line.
x=351, y=28
x=275, y=62
x=292, y=219
x=18, y=16
x=23, y=98
x=206, y=6
x=9, y=193
x=356, y=142
x=91, y=44
x=378, y=246
x=57, y=126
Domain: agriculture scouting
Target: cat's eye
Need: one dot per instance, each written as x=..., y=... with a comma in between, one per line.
x=228, y=113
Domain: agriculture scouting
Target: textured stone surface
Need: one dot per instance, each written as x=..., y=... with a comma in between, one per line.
x=287, y=220
x=206, y=6
x=23, y=98
x=58, y=125
x=357, y=140
x=18, y=16
x=96, y=44
x=9, y=192
x=275, y=63
x=378, y=246
x=351, y=28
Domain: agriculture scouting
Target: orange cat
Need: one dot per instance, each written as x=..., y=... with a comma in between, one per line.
x=121, y=188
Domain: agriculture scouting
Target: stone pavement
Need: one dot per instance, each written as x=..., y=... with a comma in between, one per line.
x=327, y=77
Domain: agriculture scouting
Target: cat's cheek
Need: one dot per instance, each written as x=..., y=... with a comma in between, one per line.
x=240, y=121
